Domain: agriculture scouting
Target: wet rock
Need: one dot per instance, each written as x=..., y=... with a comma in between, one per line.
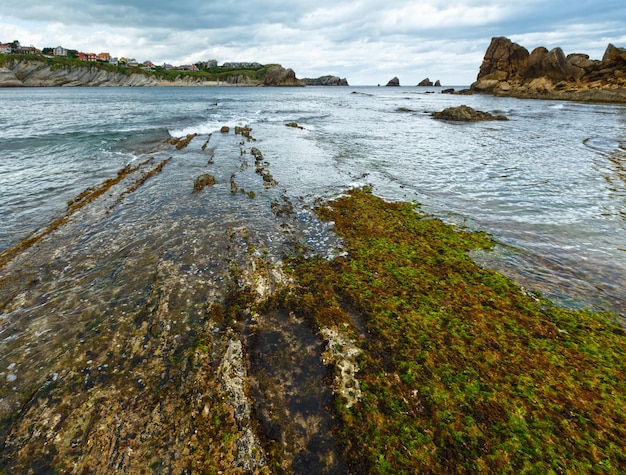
x=465, y=114
x=294, y=125
x=225, y=129
x=203, y=181
x=243, y=131
x=341, y=352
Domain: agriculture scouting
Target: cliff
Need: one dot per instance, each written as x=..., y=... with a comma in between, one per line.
x=508, y=69
x=42, y=72
x=35, y=73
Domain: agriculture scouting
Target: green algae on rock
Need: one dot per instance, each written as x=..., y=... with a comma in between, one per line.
x=460, y=370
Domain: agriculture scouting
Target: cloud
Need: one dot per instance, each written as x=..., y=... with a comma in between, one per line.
x=367, y=41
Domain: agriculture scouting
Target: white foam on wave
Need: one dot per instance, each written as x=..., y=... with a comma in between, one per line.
x=209, y=127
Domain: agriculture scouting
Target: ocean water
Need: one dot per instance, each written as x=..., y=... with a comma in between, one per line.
x=109, y=348
x=549, y=184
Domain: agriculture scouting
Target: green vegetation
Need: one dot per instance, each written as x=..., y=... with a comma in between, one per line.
x=461, y=371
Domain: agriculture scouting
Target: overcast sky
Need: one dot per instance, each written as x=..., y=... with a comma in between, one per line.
x=366, y=41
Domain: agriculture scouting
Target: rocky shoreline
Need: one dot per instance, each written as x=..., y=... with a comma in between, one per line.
x=508, y=69
x=142, y=339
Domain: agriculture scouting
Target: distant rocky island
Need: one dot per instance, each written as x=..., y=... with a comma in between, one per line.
x=43, y=71
x=426, y=82
x=508, y=69
x=326, y=81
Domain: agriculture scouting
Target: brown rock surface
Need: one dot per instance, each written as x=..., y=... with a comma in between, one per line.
x=279, y=76
x=509, y=70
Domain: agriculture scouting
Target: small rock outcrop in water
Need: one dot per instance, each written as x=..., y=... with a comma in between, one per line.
x=203, y=181
x=465, y=114
x=425, y=82
x=508, y=69
x=393, y=82
x=326, y=81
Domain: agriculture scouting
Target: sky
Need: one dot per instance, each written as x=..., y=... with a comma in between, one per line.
x=366, y=41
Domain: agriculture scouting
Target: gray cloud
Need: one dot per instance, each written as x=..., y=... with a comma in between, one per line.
x=367, y=41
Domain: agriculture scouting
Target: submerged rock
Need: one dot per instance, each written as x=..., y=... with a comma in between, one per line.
x=465, y=114
x=203, y=181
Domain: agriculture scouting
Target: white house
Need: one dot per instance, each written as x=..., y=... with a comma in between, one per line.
x=60, y=51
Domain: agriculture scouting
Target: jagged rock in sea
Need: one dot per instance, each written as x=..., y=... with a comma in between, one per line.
x=393, y=82
x=465, y=113
x=425, y=82
x=279, y=76
x=437, y=83
x=508, y=69
x=326, y=81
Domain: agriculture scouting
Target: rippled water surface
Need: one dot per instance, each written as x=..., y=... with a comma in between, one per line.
x=117, y=294
x=550, y=182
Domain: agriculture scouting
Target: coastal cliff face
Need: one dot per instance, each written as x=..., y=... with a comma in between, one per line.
x=30, y=73
x=20, y=72
x=508, y=69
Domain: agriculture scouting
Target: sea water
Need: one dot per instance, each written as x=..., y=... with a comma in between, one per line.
x=549, y=184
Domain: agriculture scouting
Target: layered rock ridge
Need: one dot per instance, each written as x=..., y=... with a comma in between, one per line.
x=33, y=73
x=508, y=69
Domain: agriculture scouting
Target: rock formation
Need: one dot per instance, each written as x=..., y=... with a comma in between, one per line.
x=393, y=82
x=18, y=73
x=438, y=83
x=23, y=72
x=279, y=76
x=465, y=114
x=425, y=82
x=326, y=81
x=509, y=69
